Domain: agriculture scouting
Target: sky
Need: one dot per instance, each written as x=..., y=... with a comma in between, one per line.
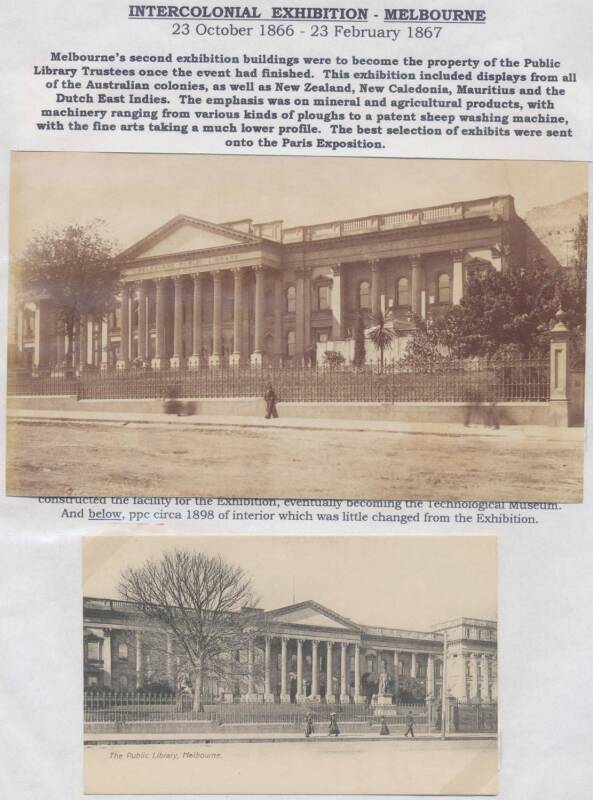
x=137, y=193
x=410, y=582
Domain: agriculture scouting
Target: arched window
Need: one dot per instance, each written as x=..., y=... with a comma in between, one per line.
x=364, y=295
x=403, y=292
x=122, y=651
x=290, y=343
x=444, y=288
x=291, y=300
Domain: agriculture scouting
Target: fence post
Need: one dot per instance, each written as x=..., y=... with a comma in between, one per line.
x=559, y=361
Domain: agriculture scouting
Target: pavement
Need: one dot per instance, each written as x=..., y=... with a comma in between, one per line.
x=110, y=739
x=515, y=432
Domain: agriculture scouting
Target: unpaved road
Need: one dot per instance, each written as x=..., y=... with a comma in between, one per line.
x=108, y=459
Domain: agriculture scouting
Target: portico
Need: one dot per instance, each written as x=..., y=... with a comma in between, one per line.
x=195, y=293
x=305, y=653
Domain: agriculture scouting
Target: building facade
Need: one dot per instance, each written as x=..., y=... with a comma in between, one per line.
x=302, y=652
x=195, y=293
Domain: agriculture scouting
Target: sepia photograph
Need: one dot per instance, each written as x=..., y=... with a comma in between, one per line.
x=358, y=328
x=290, y=665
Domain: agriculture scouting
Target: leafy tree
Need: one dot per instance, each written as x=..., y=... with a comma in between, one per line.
x=514, y=309
x=426, y=350
x=359, y=348
x=581, y=244
x=74, y=267
x=198, y=600
x=381, y=335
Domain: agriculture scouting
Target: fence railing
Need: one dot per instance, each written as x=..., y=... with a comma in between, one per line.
x=130, y=707
x=472, y=381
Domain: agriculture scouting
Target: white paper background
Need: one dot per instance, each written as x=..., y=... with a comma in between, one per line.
x=546, y=571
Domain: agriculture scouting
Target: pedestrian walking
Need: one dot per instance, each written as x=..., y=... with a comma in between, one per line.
x=271, y=399
x=410, y=724
x=384, y=729
x=309, y=729
x=333, y=725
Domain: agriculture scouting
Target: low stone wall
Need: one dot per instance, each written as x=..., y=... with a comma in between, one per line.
x=554, y=413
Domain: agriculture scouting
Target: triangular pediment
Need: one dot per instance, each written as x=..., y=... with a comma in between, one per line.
x=185, y=234
x=312, y=615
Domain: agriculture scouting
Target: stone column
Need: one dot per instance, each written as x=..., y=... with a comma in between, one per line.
x=105, y=343
x=395, y=674
x=337, y=303
x=430, y=677
x=486, y=694
x=83, y=330
x=139, y=669
x=284, y=693
x=314, y=696
x=559, y=369
x=268, y=693
x=216, y=357
x=251, y=696
x=60, y=344
x=375, y=266
x=195, y=360
x=344, y=692
x=257, y=357
x=465, y=679
x=41, y=342
x=106, y=655
x=159, y=361
x=475, y=686
x=457, y=292
x=413, y=666
x=278, y=311
x=417, y=284
x=358, y=698
x=170, y=661
x=142, y=322
x=300, y=338
x=235, y=358
x=177, y=360
x=329, y=675
x=124, y=331
x=300, y=697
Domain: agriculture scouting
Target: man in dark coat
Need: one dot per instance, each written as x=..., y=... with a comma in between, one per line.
x=271, y=399
x=410, y=724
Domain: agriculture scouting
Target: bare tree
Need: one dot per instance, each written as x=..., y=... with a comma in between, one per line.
x=205, y=603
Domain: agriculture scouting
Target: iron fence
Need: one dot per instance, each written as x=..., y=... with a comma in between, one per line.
x=132, y=707
x=474, y=381
x=474, y=717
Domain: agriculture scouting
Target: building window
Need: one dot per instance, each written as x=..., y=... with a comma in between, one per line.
x=444, y=288
x=370, y=664
x=290, y=343
x=291, y=300
x=364, y=295
x=323, y=298
x=403, y=292
x=122, y=651
x=92, y=681
x=322, y=336
x=135, y=312
x=123, y=683
x=28, y=323
x=93, y=650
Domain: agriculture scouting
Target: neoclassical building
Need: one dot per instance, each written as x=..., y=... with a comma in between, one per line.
x=198, y=293
x=302, y=652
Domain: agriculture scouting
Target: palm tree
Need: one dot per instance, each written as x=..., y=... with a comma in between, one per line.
x=382, y=333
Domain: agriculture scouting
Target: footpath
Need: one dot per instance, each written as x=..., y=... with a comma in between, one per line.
x=515, y=432
x=137, y=739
